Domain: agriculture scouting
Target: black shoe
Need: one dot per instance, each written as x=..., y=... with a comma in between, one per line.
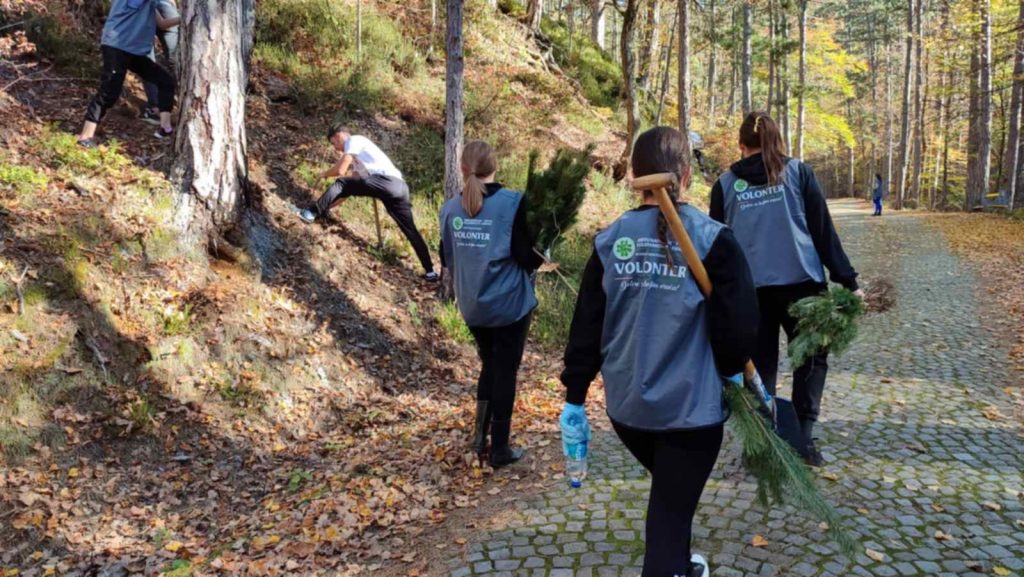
x=698, y=566
x=502, y=453
x=148, y=115
x=480, y=426
x=812, y=456
x=431, y=276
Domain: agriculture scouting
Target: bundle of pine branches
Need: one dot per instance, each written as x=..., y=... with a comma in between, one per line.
x=554, y=195
x=827, y=322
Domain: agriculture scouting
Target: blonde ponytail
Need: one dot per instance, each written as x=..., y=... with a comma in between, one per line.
x=478, y=160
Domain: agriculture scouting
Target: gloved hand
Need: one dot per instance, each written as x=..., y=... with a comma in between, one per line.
x=574, y=425
x=766, y=403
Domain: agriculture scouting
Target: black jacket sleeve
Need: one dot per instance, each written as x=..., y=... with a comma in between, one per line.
x=522, y=241
x=717, y=209
x=823, y=232
x=583, y=353
x=732, y=308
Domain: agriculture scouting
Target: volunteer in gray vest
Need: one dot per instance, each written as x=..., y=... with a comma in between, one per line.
x=488, y=249
x=127, y=41
x=374, y=176
x=777, y=211
x=168, y=40
x=661, y=346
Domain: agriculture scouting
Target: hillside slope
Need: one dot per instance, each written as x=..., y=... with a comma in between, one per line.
x=308, y=414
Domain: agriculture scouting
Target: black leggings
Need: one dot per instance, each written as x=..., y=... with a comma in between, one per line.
x=808, y=379
x=501, y=351
x=680, y=463
x=393, y=194
x=116, y=64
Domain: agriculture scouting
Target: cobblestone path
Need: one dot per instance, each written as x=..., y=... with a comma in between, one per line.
x=911, y=434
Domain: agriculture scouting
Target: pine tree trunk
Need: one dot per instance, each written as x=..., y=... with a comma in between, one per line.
x=597, y=31
x=784, y=97
x=985, y=101
x=1012, y=160
x=649, y=62
x=684, y=81
x=771, y=57
x=632, y=105
x=802, y=74
x=850, y=158
x=888, y=117
x=453, y=111
x=734, y=71
x=210, y=168
x=534, y=12
x=906, y=124
x=665, y=71
x=712, y=61
x=919, y=97
x=973, y=126
x=748, y=103
x=941, y=121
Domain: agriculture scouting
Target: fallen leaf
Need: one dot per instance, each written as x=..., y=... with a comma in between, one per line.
x=73, y=472
x=992, y=506
x=875, y=555
x=759, y=541
x=943, y=536
x=1003, y=571
x=173, y=546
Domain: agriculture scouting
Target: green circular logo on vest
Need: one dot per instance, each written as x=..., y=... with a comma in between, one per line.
x=741, y=185
x=624, y=248
x=457, y=223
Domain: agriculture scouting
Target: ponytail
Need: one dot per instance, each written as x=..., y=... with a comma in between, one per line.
x=759, y=131
x=473, y=195
x=478, y=160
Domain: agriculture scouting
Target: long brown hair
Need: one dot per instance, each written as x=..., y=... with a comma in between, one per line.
x=660, y=150
x=760, y=131
x=478, y=161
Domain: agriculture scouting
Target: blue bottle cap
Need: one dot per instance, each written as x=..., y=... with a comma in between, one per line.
x=575, y=484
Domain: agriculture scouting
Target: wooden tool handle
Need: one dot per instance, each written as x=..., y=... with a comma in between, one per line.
x=657, y=184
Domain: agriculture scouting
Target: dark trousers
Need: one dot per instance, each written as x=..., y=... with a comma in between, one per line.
x=878, y=205
x=393, y=194
x=116, y=64
x=680, y=463
x=501, y=351
x=169, y=43
x=808, y=379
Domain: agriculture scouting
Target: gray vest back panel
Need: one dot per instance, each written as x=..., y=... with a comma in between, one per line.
x=659, y=371
x=771, y=225
x=491, y=289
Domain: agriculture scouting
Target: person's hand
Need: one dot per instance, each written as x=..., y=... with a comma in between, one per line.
x=736, y=379
x=860, y=294
x=574, y=425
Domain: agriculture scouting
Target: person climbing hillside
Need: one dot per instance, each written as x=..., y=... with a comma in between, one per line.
x=375, y=176
x=486, y=245
x=661, y=346
x=125, y=45
x=879, y=193
x=168, y=40
x=777, y=211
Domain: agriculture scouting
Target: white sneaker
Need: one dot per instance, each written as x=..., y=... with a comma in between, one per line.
x=307, y=216
x=431, y=277
x=699, y=566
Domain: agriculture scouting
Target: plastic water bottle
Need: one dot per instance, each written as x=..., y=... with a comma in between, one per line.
x=576, y=464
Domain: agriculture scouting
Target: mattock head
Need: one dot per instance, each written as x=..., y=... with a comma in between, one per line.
x=662, y=180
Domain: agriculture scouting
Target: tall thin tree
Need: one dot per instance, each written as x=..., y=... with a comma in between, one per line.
x=712, y=61
x=684, y=80
x=748, y=65
x=1014, y=142
x=906, y=124
x=802, y=74
x=628, y=59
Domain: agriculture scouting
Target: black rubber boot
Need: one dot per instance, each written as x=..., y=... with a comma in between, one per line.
x=501, y=452
x=480, y=426
x=811, y=455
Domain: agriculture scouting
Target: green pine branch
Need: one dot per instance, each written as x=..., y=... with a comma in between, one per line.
x=825, y=323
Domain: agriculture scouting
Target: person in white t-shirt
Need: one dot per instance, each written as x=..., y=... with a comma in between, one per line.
x=374, y=176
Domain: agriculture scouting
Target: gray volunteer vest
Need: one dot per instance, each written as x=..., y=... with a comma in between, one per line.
x=659, y=370
x=492, y=290
x=771, y=225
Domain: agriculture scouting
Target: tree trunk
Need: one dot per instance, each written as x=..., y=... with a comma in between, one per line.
x=210, y=168
x=850, y=157
x=453, y=112
x=734, y=72
x=1014, y=143
x=919, y=97
x=802, y=73
x=712, y=57
x=628, y=59
x=684, y=81
x=985, y=100
x=888, y=115
x=748, y=16
x=973, y=130
x=597, y=22
x=784, y=95
x=649, y=62
x=534, y=11
x=665, y=71
x=906, y=121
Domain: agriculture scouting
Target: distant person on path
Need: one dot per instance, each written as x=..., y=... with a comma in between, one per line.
x=775, y=207
x=661, y=346
x=375, y=177
x=168, y=40
x=487, y=247
x=879, y=193
x=126, y=44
